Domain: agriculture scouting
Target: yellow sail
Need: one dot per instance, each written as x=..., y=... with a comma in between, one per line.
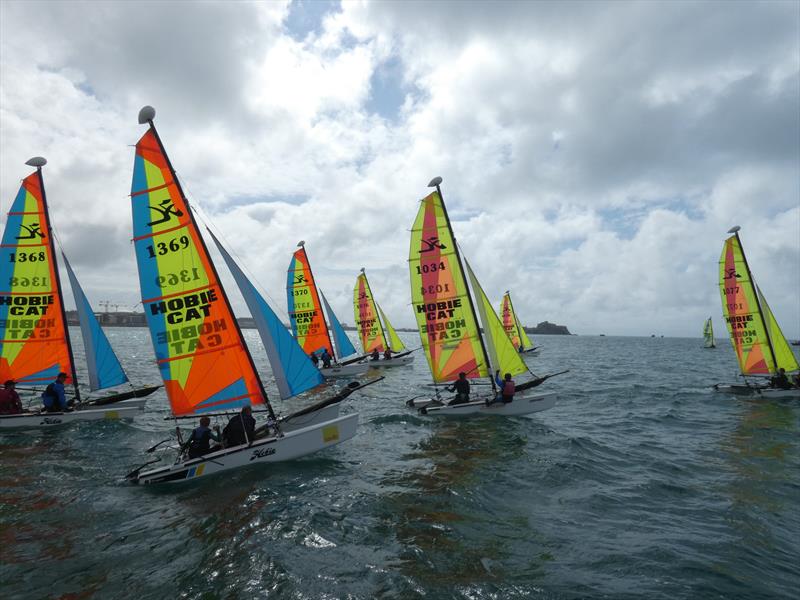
x=527, y=344
x=395, y=343
x=502, y=353
x=784, y=357
x=439, y=295
x=368, y=324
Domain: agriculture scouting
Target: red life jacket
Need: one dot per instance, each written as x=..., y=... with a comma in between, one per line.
x=509, y=387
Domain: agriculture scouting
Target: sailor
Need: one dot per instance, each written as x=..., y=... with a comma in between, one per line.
x=199, y=443
x=314, y=359
x=376, y=355
x=461, y=388
x=387, y=354
x=506, y=385
x=240, y=429
x=10, y=404
x=54, y=398
x=326, y=359
x=780, y=380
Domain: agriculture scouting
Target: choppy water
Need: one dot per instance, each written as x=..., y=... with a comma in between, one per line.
x=640, y=483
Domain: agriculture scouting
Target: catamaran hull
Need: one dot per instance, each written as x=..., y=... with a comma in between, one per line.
x=36, y=421
x=761, y=392
x=293, y=444
x=327, y=413
x=351, y=370
x=531, y=352
x=522, y=405
x=392, y=362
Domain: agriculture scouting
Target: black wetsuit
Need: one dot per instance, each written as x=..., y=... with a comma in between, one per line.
x=234, y=432
x=461, y=387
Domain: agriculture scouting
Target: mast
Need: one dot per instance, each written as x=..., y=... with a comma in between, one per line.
x=435, y=183
x=39, y=162
x=513, y=312
x=377, y=312
x=317, y=300
x=146, y=115
x=735, y=231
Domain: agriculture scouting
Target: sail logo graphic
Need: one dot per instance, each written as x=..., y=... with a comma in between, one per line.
x=431, y=243
x=731, y=274
x=33, y=231
x=167, y=210
x=301, y=278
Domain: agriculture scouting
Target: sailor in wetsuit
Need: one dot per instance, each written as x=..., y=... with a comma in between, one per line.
x=240, y=429
x=461, y=388
x=199, y=443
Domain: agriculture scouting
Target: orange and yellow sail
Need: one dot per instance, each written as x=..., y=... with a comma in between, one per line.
x=368, y=322
x=757, y=340
x=305, y=308
x=199, y=348
x=34, y=343
x=439, y=296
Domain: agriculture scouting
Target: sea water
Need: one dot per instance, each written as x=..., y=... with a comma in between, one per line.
x=641, y=482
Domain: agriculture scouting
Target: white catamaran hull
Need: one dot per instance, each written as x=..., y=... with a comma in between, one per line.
x=293, y=444
x=751, y=390
x=522, y=405
x=350, y=370
x=37, y=420
x=392, y=362
x=327, y=413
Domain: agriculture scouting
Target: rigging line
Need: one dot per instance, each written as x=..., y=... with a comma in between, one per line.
x=206, y=219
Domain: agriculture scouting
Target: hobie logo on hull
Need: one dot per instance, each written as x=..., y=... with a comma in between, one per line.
x=50, y=421
x=261, y=453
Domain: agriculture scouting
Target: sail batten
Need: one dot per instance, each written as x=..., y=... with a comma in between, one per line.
x=447, y=323
x=34, y=338
x=199, y=348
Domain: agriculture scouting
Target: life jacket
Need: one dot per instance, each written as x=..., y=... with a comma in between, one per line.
x=49, y=396
x=200, y=440
x=509, y=387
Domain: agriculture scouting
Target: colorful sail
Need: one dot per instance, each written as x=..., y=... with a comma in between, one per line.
x=527, y=344
x=784, y=357
x=370, y=331
x=509, y=319
x=439, y=295
x=708, y=334
x=103, y=365
x=305, y=308
x=740, y=308
x=502, y=353
x=395, y=343
x=293, y=370
x=34, y=339
x=199, y=348
x=343, y=344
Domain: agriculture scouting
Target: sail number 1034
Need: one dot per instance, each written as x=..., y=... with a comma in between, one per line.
x=431, y=268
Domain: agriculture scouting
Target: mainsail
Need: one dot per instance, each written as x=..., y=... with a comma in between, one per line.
x=102, y=363
x=294, y=372
x=370, y=331
x=751, y=324
x=305, y=308
x=440, y=296
x=708, y=334
x=34, y=339
x=199, y=347
x=502, y=353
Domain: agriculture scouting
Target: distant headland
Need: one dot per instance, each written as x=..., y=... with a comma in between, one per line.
x=547, y=328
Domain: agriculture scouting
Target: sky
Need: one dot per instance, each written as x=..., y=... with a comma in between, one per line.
x=593, y=154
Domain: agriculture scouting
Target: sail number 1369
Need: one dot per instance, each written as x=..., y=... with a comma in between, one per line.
x=175, y=244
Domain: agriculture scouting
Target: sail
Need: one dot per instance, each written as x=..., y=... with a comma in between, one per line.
x=527, y=344
x=740, y=308
x=510, y=323
x=784, y=357
x=370, y=331
x=708, y=334
x=199, y=348
x=343, y=344
x=447, y=326
x=293, y=370
x=395, y=343
x=34, y=340
x=305, y=309
x=104, y=367
x=502, y=353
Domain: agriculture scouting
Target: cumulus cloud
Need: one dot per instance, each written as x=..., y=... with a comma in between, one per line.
x=593, y=154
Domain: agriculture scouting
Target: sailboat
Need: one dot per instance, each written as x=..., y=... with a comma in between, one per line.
x=708, y=334
x=374, y=329
x=516, y=332
x=757, y=339
x=35, y=345
x=309, y=325
x=204, y=361
x=448, y=320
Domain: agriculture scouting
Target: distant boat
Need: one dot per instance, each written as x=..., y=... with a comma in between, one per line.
x=35, y=345
x=760, y=346
x=516, y=332
x=708, y=334
x=374, y=329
